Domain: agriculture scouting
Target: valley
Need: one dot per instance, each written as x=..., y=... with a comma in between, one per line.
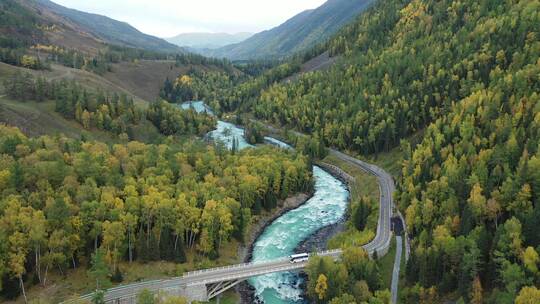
x=360, y=152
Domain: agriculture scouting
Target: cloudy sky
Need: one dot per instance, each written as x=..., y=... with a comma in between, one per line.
x=167, y=18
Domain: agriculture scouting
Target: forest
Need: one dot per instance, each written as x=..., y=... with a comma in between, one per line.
x=198, y=85
x=171, y=120
x=471, y=191
x=226, y=91
x=354, y=279
x=66, y=201
x=103, y=111
x=105, y=58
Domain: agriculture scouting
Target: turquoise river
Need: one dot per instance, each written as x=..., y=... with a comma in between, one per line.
x=326, y=207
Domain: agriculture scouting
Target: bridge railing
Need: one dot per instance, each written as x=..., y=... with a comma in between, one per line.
x=330, y=252
x=276, y=268
x=150, y=285
x=229, y=267
x=247, y=265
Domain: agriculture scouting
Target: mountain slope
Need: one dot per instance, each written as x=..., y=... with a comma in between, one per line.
x=464, y=75
x=107, y=29
x=298, y=33
x=207, y=40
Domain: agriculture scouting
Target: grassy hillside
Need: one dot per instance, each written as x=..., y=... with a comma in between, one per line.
x=58, y=72
x=36, y=119
x=296, y=34
x=145, y=78
x=18, y=26
x=40, y=118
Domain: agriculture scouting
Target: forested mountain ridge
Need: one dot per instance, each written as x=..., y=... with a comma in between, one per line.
x=296, y=34
x=41, y=22
x=34, y=34
x=404, y=65
x=109, y=30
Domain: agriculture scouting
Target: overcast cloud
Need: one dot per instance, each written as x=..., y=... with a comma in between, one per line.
x=166, y=18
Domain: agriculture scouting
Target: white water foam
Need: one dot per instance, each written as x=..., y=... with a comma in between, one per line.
x=326, y=207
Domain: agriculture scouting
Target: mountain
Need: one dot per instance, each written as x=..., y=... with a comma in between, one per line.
x=453, y=87
x=298, y=33
x=207, y=40
x=104, y=28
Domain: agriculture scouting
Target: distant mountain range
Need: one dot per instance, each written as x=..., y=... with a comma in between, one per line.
x=103, y=28
x=298, y=33
x=207, y=40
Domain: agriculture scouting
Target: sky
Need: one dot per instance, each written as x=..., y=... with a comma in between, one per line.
x=167, y=18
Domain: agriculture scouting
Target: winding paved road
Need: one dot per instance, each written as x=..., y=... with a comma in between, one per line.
x=395, y=271
x=382, y=239
x=381, y=242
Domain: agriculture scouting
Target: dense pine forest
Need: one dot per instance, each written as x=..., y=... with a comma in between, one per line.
x=471, y=192
x=170, y=120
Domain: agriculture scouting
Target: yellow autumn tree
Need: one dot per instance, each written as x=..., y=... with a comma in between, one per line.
x=477, y=201
x=85, y=119
x=28, y=61
x=476, y=292
x=528, y=295
x=113, y=236
x=531, y=259
x=322, y=286
x=184, y=80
